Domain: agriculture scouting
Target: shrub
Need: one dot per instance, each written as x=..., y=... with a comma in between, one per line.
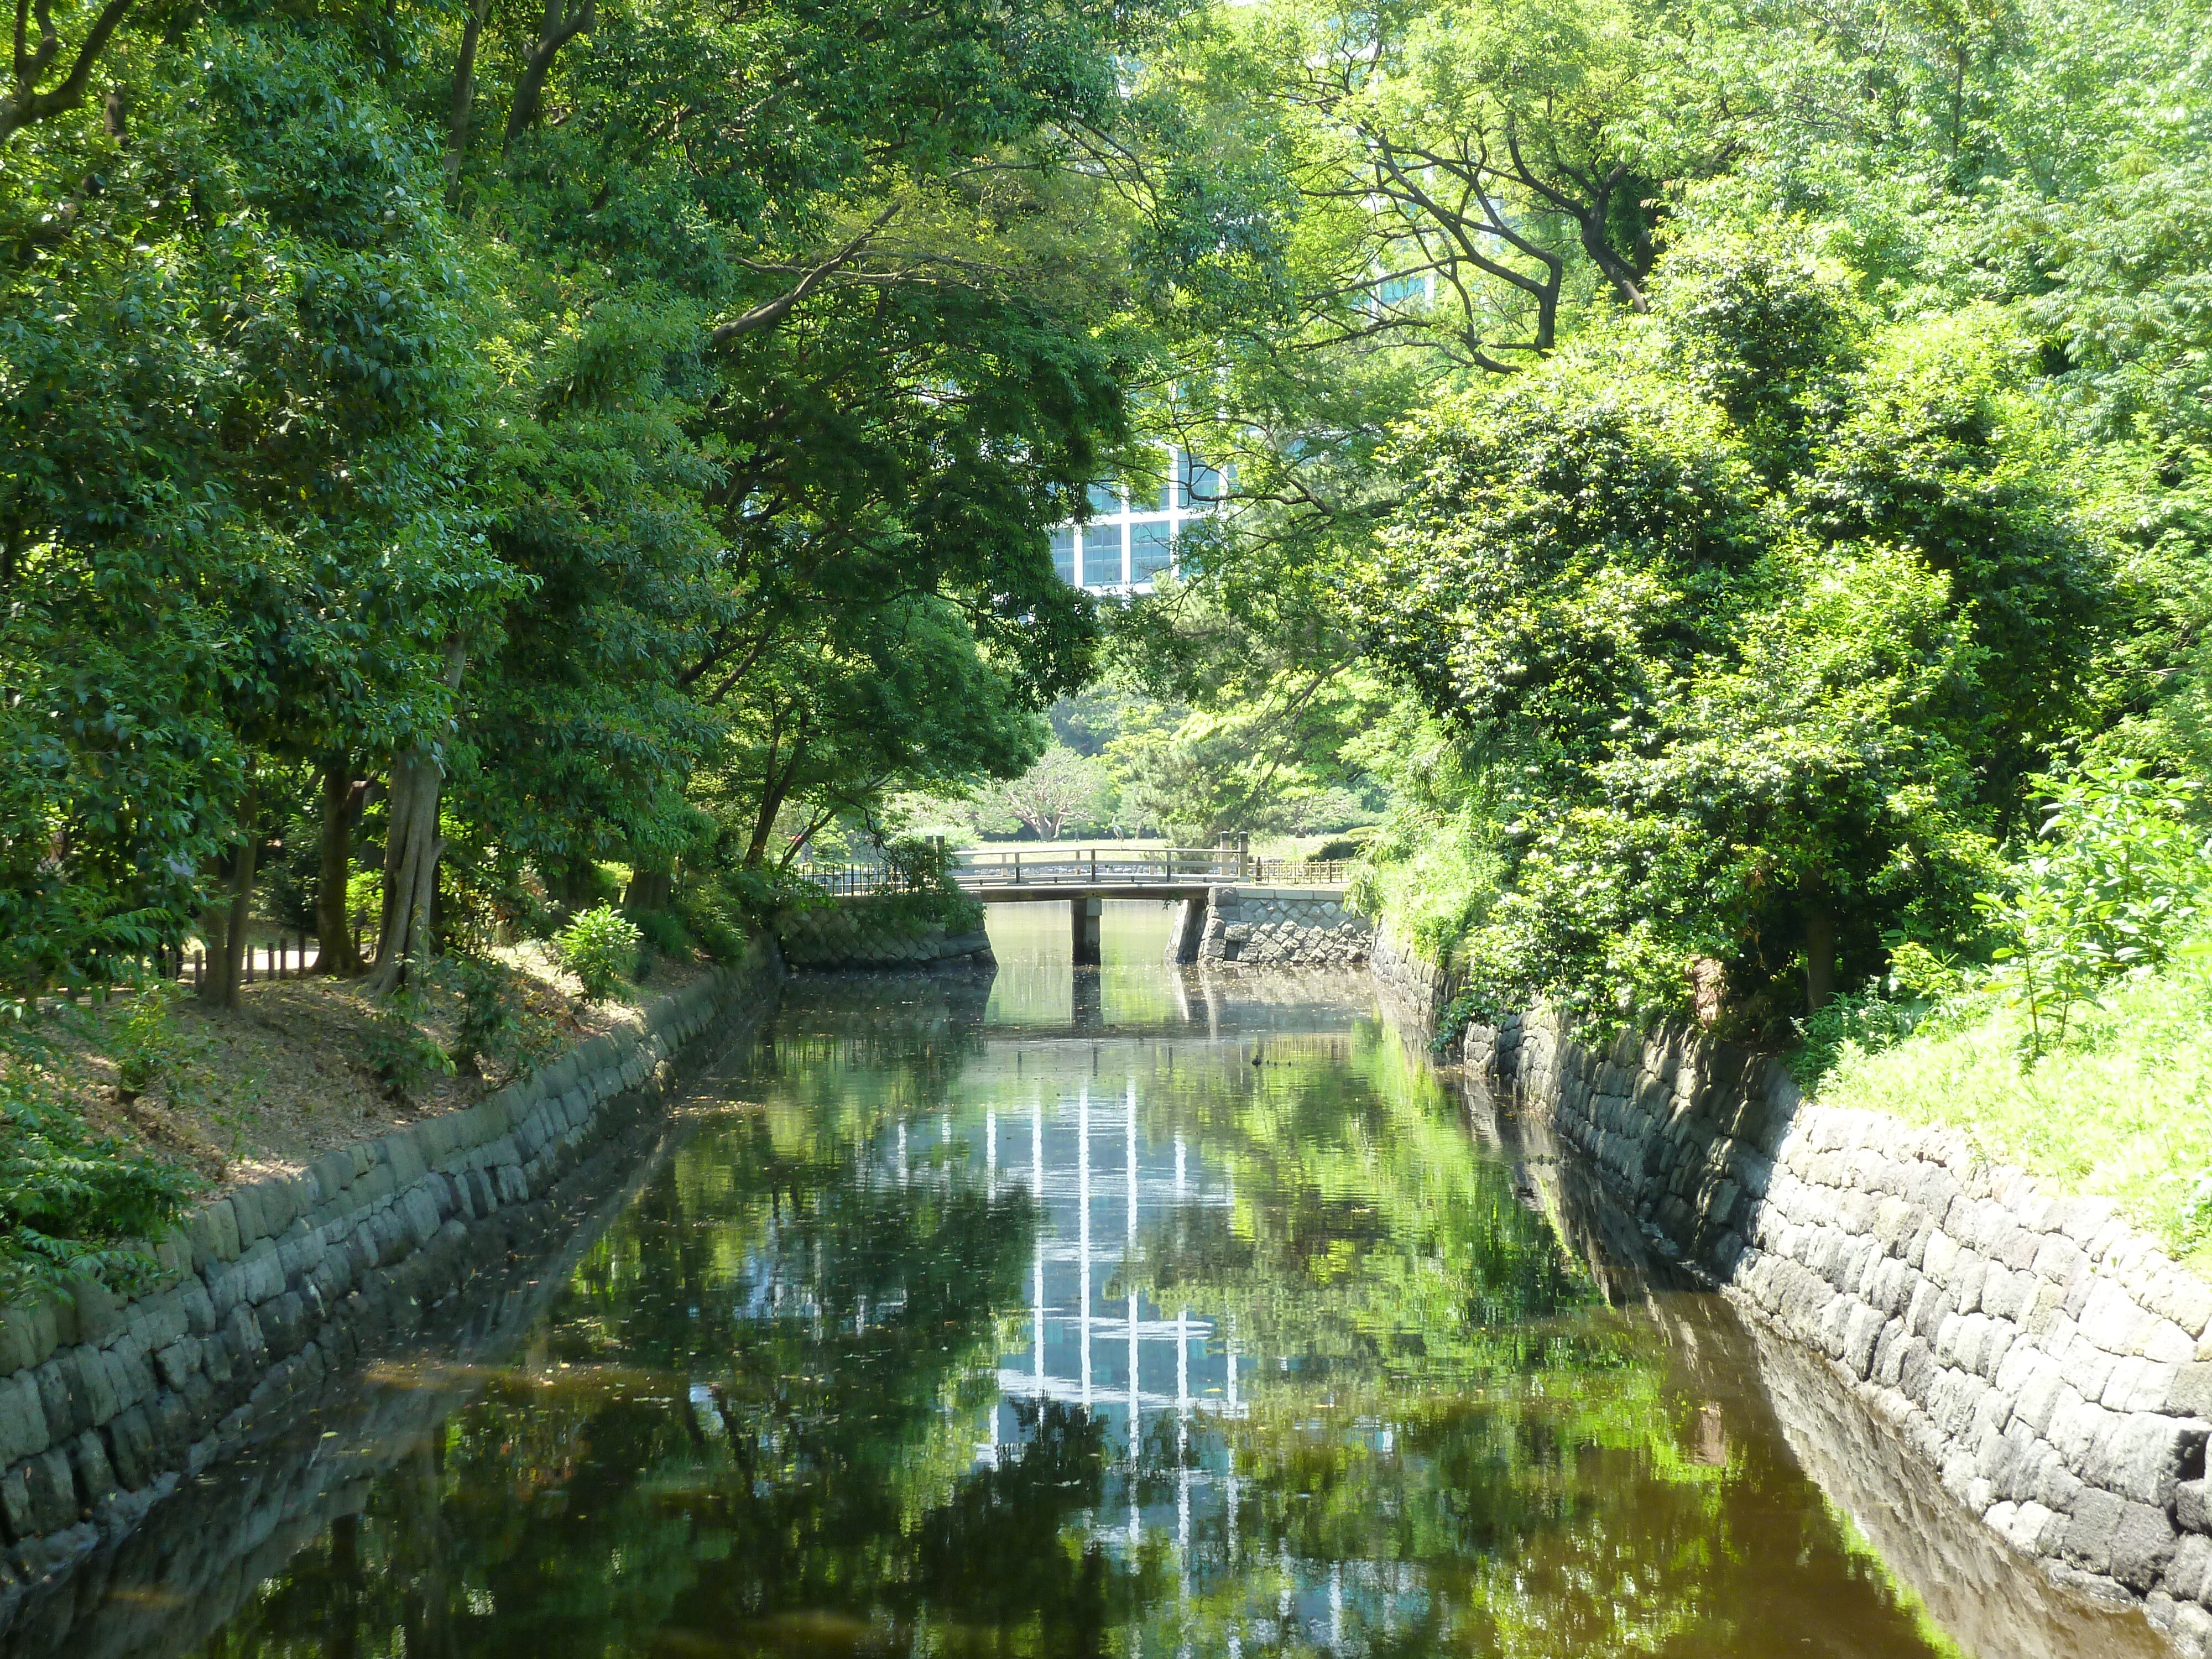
x=2123, y=882
x=600, y=947
x=664, y=931
x=402, y=1058
x=148, y=1046
x=72, y=1202
x=915, y=866
x=712, y=918
x=497, y=1023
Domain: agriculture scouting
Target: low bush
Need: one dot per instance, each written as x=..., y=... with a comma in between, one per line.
x=2121, y=880
x=496, y=1023
x=664, y=932
x=600, y=947
x=73, y=1202
x=714, y=920
x=402, y=1057
x=147, y=1048
x=1919, y=987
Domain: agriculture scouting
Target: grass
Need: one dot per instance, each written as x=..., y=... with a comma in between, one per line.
x=2123, y=1112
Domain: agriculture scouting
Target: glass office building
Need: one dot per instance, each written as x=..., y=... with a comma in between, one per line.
x=1135, y=530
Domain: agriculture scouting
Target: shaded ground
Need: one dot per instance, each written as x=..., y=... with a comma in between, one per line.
x=289, y=1075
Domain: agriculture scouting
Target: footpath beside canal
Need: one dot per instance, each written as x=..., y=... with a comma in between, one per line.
x=2052, y=1366
x=287, y=1282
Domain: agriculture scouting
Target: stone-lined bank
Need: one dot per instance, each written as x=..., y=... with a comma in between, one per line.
x=857, y=933
x=1270, y=927
x=280, y=1285
x=2052, y=1365
x=1421, y=989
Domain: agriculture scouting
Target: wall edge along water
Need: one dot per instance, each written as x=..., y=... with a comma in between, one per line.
x=2051, y=1365
x=284, y=1285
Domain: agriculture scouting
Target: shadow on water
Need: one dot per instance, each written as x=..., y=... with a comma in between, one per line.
x=1169, y=1314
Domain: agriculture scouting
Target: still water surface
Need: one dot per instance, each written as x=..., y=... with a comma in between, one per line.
x=1128, y=1313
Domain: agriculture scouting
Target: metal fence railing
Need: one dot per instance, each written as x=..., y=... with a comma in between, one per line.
x=288, y=956
x=1042, y=864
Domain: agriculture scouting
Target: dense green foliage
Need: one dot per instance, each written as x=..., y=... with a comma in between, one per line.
x=434, y=440
x=1755, y=447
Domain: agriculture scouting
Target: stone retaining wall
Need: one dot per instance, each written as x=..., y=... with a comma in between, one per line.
x=853, y=934
x=2050, y=1362
x=282, y=1284
x=1283, y=928
x=1421, y=988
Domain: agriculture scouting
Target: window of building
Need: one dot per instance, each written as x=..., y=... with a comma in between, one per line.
x=1063, y=553
x=1102, y=555
x=1105, y=498
x=1200, y=486
x=1149, y=549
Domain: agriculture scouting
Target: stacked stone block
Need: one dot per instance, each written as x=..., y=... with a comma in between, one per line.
x=1284, y=927
x=1420, y=987
x=853, y=936
x=2052, y=1366
x=105, y=1405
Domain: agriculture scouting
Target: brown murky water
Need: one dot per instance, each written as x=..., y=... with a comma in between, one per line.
x=1128, y=1313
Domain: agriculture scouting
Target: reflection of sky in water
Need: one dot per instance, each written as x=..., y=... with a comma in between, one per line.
x=1037, y=986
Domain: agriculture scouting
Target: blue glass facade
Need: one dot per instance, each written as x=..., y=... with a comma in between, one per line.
x=1134, y=531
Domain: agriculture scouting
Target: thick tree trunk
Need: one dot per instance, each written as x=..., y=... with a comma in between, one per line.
x=650, y=890
x=335, y=954
x=226, y=923
x=1819, y=954
x=412, y=847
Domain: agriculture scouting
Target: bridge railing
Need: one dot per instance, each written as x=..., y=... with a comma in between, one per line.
x=1042, y=864
x=1047, y=866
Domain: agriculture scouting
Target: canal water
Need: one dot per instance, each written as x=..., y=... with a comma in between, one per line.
x=1128, y=1312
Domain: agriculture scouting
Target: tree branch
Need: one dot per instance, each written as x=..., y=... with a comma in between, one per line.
x=25, y=103
x=561, y=26
x=769, y=312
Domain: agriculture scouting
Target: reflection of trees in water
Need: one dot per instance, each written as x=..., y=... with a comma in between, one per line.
x=1452, y=1443
x=750, y=1426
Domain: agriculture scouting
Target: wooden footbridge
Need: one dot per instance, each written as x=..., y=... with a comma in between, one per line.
x=1083, y=878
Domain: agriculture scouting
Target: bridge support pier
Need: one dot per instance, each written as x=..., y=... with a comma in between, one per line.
x=1188, y=929
x=1084, y=913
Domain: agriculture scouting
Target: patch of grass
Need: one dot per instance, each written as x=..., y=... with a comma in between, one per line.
x=2123, y=1111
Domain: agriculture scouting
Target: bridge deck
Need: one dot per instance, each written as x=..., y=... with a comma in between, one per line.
x=1049, y=891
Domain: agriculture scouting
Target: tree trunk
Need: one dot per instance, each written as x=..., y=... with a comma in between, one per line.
x=227, y=953
x=333, y=928
x=650, y=890
x=412, y=847
x=1819, y=954
x=561, y=27
x=464, y=92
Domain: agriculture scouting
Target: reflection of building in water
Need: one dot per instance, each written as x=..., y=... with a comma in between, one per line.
x=1162, y=1380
